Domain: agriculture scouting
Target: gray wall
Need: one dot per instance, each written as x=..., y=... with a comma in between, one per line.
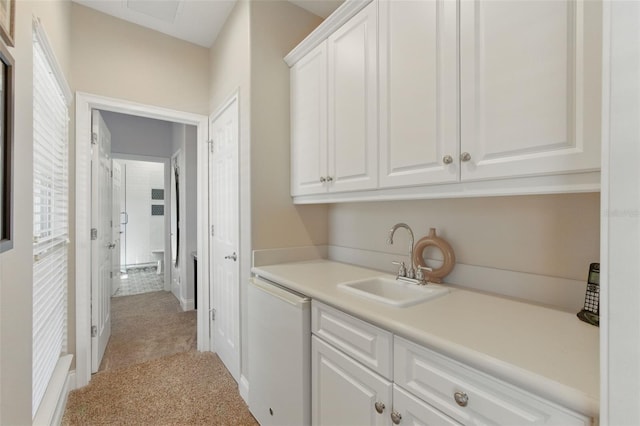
x=139, y=135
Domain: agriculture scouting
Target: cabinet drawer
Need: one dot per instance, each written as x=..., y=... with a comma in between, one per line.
x=446, y=384
x=366, y=343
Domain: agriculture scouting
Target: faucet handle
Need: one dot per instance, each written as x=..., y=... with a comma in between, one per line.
x=402, y=270
x=420, y=274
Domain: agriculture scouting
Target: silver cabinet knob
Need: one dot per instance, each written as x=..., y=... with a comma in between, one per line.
x=395, y=417
x=323, y=179
x=462, y=399
x=233, y=256
x=447, y=159
x=329, y=179
x=465, y=156
x=111, y=246
x=379, y=407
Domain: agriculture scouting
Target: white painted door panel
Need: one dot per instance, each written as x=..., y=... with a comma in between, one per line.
x=115, y=224
x=101, y=247
x=417, y=412
x=522, y=89
x=309, y=123
x=353, y=102
x=418, y=92
x=343, y=391
x=224, y=217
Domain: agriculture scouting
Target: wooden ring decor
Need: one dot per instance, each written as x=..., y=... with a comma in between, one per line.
x=432, y=239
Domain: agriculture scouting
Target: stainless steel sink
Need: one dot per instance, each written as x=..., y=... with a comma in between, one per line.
x=392, y=292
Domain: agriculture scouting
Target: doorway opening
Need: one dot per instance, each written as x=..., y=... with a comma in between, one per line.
x=85, y=107
x=140, y=223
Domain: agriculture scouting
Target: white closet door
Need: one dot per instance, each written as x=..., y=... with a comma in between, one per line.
x=419, y=135
x=522, y=92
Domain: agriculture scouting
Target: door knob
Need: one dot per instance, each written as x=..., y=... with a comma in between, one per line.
x=111, y=246
x=323, y=179
x=447, y=159
x=465, y=156
x=233, y=256
x=379, y=407
x=396, y=417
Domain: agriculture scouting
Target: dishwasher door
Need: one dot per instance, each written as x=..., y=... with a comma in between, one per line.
x=279, y=350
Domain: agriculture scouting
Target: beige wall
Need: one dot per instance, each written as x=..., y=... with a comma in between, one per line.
x=248, y=57
x=276, y=28
x=114, y=58
x=555, y=235
x=16, y=274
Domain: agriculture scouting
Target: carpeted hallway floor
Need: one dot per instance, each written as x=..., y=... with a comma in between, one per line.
x=152, y=375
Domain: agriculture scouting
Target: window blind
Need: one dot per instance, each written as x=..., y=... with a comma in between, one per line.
x=50, y=216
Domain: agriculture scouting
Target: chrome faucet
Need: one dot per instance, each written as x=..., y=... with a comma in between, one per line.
x=410, y=271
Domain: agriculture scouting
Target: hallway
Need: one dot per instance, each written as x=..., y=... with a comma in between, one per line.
x=151, y=372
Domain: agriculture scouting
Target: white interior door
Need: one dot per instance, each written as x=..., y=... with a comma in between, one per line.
x=101, y=244
x=224, y=242
x=115, y=224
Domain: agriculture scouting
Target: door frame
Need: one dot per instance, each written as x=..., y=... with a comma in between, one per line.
x=242, y=216
x=85, y=102
x=167, y=203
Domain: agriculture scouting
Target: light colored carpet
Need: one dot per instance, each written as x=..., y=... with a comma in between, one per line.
x=189, y=388
x=147, y=326
x=152, y=375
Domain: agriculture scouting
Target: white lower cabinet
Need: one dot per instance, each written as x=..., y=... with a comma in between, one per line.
x=344, y=392
x=424, y=388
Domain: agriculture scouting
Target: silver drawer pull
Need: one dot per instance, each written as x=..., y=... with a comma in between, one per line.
x=379, y=407
x=462, y=399
x=395, y=417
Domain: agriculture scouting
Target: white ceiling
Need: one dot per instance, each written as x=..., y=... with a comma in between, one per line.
x=196, y=21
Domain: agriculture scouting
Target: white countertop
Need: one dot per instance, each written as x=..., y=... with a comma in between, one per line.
x=547, y=352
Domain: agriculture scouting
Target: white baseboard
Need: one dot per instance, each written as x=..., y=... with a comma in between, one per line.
x=187, y=304
x=54, y=401
x=244, y=388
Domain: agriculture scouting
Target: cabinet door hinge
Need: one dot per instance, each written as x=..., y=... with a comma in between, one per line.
x=212, y=231
x=110, y=274
x=212, y=313
x=94, y=233
x=210, y=142
x=94, y=331
x=94, y=138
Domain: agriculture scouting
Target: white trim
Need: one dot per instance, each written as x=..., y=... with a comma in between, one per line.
x=187, y=304
x=84, y=104
x=334, y=21
x=555, y=184
x=41, y=37
x=243, y=387
x=604, y=222
x=51, y=408
x=167, y=204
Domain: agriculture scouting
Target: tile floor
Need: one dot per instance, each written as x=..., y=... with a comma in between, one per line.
x=140, y=280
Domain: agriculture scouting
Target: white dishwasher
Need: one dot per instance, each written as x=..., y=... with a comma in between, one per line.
x=279, y=355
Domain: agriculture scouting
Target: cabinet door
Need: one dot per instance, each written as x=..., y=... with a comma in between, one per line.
x=523, y=88
x=343, y=391
x=353, y=103
x=309, y=123
x=418, y=92
x=417, y=412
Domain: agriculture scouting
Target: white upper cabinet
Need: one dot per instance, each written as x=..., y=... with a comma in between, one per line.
x=522, y=88
x=309, y=123
x=476, y=98
x=419, y=137
x=353, y=80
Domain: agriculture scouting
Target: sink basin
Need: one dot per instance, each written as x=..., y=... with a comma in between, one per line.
x=393, y=292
